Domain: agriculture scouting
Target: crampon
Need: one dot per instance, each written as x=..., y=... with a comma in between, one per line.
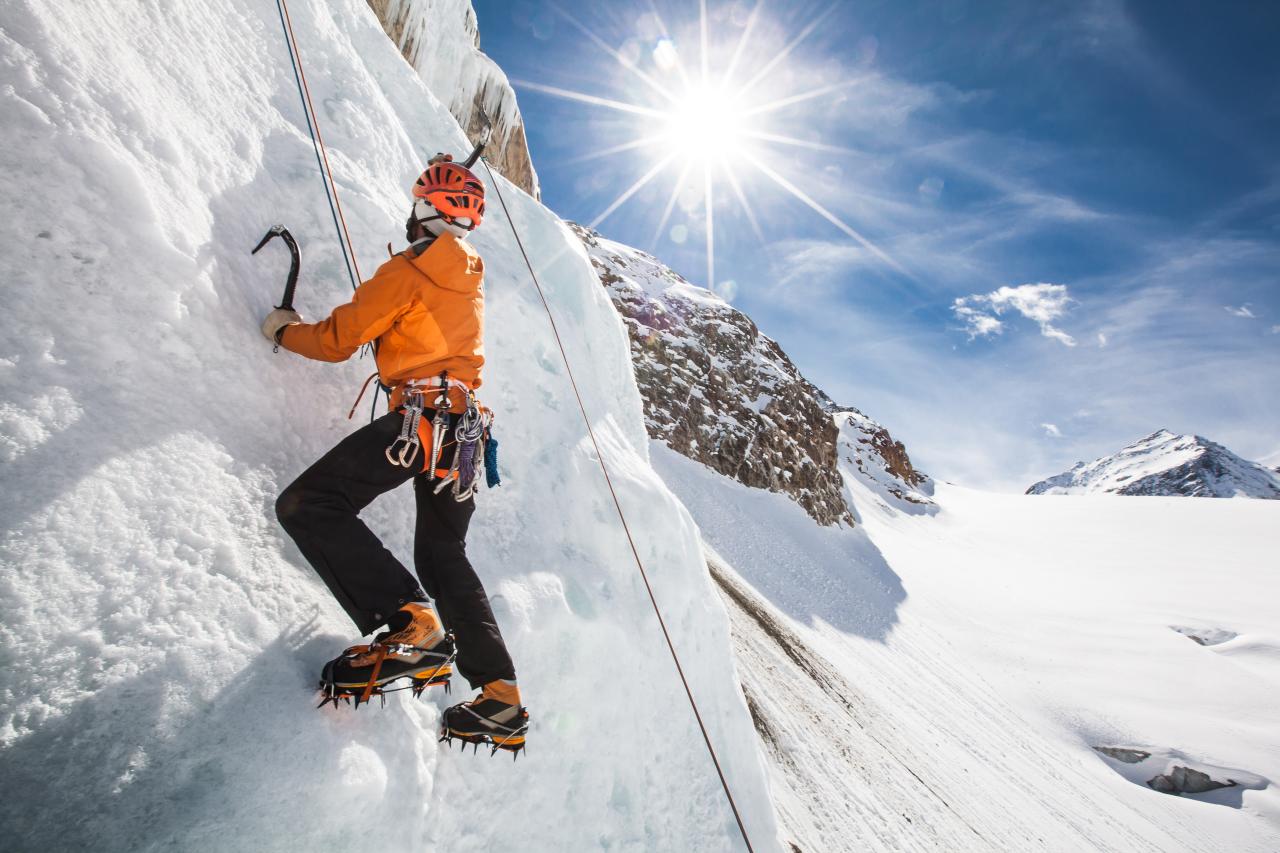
x=462, y=724
x=341, y=682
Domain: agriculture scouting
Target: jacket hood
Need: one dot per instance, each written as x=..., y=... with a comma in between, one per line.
x=452, y=264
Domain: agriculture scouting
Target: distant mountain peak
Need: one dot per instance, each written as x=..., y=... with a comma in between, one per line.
x=1166, y=463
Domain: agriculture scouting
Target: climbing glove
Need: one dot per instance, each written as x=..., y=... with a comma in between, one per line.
x=277, y=320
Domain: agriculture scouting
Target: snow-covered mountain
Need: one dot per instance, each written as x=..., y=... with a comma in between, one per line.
x=720, y=392
x=1167, y=464
x=441, y=39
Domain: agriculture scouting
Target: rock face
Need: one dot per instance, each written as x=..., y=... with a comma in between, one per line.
x=1186, y=780
x=440, y=39
x=720, y=392
x=880, y=463
x=1167, y=464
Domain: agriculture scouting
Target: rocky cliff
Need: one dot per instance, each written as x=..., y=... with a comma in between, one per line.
x=440, y=39
x=720, y=392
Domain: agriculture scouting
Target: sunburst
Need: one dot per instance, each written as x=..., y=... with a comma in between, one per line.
x=709, y=126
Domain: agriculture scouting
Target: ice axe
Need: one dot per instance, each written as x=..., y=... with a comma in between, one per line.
x=296, y=260
x=291, y=284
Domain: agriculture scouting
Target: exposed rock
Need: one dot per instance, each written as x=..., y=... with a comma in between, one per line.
x=1171, y=771
x=717, y=390
x=720, y=392
x=1128, y=756
x=881, y=463
x=1167, y=464
x=1205, y=636
x=441, y=40
x=1185, y=780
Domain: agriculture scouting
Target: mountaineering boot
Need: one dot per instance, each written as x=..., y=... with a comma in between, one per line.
x=415, y=646
x=495, y=718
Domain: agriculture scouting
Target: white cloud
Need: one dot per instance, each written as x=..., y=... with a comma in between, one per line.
x=1051, y=430
x=1041, y=302
x=1275, y=330
x=1242, y=311
x=976, y=323
x=1102, y=339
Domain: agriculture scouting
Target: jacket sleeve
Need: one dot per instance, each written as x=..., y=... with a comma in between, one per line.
x=374, y=308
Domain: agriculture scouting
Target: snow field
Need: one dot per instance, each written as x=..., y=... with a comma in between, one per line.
x=161, y=637
x=962, y=712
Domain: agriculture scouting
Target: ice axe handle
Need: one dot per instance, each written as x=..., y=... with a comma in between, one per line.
x=295, y=262
x=474, y=155
x=482, y=141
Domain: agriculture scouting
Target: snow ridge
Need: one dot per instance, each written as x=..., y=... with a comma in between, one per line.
x=1164, y=463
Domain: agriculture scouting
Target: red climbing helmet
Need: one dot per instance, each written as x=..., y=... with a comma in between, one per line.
x=454, y=191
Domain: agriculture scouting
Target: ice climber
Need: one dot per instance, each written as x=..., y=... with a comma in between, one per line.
x=423, y=310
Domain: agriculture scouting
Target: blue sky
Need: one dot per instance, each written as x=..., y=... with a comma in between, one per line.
x=1060, y=221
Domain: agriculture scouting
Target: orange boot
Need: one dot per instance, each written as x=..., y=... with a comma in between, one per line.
x=415, y=646
x=495, y=718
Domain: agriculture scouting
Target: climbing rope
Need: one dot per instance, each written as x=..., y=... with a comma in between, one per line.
x=317, y=142
x=724, y=783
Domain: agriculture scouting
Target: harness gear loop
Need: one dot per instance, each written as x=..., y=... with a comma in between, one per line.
x=405, y=448
x=470, y=434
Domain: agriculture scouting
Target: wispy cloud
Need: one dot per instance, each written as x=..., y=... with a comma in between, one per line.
x=977, y=324
x=1102, y=339
x=1043, y=303
x=1241, y=311
x=1051, y=430
x=1275, y=330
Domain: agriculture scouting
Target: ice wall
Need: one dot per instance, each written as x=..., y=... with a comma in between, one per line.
x=160, y=636
x=441, y=40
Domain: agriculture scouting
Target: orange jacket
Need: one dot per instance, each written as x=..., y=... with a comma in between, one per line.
x=425, y=311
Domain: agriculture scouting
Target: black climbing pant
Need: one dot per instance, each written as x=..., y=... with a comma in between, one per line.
x=321, y=511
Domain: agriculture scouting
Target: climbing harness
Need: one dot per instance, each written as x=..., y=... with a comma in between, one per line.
x=471, y=435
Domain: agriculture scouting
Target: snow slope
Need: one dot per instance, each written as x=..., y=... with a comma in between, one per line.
x=1167, y=464
x=942, y=681
x=160, y=636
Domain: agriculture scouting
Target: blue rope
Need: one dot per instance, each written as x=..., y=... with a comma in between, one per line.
x=314, y=144
x=491, y=477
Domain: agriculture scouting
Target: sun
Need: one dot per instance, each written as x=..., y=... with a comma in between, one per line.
x=707, y=123
x=715, y=127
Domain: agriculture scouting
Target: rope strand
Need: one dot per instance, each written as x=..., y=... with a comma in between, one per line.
x=724, y=783
x=317, y=142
